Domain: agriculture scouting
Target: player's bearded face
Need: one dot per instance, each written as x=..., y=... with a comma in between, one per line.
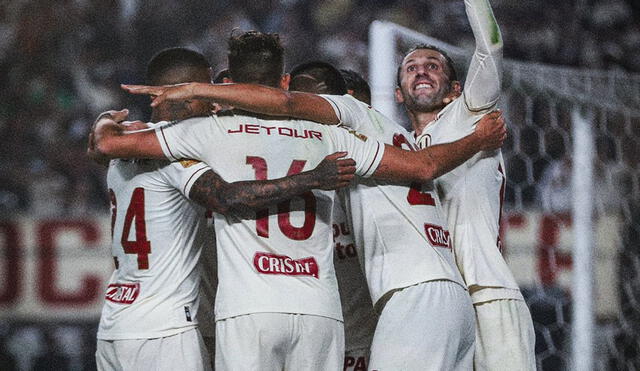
x=424, y=82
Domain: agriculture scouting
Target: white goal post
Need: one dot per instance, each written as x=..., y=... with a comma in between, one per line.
x=384, y=54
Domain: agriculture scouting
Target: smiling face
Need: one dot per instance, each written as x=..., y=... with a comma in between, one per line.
x=424, y=81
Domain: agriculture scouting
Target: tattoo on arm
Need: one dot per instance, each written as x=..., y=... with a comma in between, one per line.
x=245, y=197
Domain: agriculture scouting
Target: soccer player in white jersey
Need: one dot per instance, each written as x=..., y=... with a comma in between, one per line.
x=407, y=257
x=472, y=194
x=359, y=317
x=151, y=310
x=150, y=315
x=273, y=272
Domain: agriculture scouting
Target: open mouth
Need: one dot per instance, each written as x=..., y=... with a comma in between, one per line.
x=423, y=86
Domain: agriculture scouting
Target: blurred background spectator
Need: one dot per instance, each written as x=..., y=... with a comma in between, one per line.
x=61, y=63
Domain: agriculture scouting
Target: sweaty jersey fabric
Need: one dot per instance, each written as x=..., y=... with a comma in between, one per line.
x=472, y=193
x=279, y=260
x=400, y=227
x=158, y=235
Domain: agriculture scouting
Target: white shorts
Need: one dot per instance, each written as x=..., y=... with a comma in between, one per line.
x=183, y=351
x=505, y=338
x=356, y=359
x=429, y=326
x=279, y=341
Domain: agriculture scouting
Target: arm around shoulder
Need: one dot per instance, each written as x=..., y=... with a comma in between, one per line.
x=435, y=161
x=111, y=139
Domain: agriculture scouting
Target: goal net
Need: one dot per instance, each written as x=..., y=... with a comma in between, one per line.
x=571, y=227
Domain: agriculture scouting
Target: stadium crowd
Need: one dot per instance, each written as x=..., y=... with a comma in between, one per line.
x=61, y=62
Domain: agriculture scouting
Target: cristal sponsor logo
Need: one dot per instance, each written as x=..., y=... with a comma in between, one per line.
x=285, y=265
x=437, y=235
x=122, y=293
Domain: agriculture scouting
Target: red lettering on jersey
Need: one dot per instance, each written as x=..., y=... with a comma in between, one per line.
x=235, y=131
x=135, y=215
x=415, y=196
x=295, y=134
x=284, y=210
x=252, y=129
x=271, y=130
x=285, y=265
x=358, y=364
x=262, y=222
x=122, y=293
x=437, y=235
x=345, y=251
x=285, y=131
x=315, y=134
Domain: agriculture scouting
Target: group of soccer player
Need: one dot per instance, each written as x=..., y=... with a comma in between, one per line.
x=399, y=269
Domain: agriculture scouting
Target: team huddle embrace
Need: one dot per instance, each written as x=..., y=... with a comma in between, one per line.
x=276, y=221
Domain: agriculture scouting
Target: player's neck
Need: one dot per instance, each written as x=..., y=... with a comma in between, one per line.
x=420, y=120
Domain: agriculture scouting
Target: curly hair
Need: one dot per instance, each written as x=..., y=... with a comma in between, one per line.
x=256, y=57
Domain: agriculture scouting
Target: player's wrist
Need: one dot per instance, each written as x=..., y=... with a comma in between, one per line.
x=105, y=115
x=201, y=90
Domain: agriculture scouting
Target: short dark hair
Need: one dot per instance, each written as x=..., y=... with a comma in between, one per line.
x=358, y=84
x=452, y=74
x=256, y=57
x=317, y=77
x=170, y=59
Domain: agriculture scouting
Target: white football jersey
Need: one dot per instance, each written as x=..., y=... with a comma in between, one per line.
x=400, y=227
x=359, y=317
x=281, y=259
x=472, y=197
x=158, y=235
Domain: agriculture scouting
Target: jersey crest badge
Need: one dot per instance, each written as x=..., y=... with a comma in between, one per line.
x=187, y=163
x=360, y=136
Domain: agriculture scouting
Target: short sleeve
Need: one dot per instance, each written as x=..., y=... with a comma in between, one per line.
x=185, y=139
x=183, y=174
x=366, y=152
x=358, y=115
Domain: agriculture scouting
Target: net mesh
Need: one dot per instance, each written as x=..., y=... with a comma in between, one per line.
x=538, y=101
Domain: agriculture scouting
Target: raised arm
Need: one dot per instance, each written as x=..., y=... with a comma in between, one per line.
x=249, y=97
x=434, y=161
x=243, y=197
x=482, y=86
x=112, y=139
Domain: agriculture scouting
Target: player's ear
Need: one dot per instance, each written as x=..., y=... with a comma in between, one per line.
x=399, y=97
x=284, y=81
x=227, y=80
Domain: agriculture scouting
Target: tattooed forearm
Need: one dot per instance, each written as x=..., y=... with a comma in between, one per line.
x=244, y=197
x=241, y=198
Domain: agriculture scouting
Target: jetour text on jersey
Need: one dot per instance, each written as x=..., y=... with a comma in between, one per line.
x=276, y=130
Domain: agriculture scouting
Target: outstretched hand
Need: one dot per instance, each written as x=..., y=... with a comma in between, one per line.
x=335, y=171
x=491, y=130
x=159, y=94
